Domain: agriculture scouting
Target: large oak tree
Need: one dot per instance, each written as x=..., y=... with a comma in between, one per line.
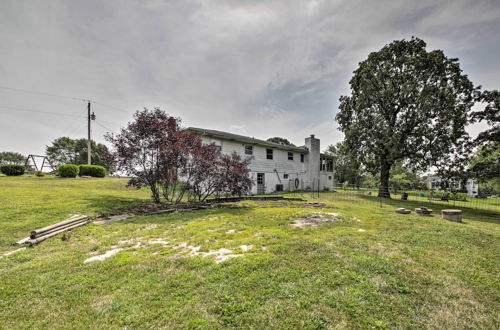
x=408, y=104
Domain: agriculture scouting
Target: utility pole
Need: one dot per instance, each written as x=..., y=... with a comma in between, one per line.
x=90, y=116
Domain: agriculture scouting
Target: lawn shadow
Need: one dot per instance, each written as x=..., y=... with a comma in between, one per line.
x=185, y=216
x=105, y=203
x=115, y=205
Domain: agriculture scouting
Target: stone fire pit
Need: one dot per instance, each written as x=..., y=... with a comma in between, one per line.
x=402, y=210
x=452, y=215
x=423, y=211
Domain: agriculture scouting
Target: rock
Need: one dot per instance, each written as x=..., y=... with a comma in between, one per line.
x=402, y=210
x=423, y=211
x=317, y=204
x=452, y=215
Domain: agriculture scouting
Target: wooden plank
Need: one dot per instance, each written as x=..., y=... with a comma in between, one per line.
x=73, y=219
x=43, y=238
x=56, y=228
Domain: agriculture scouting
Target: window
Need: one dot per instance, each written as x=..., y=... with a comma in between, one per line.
x=269, y=153
x=322, y=164
x=329, y=165
x=290, y=156
x=248, y=150
x=260, y=178
x=329, y=177
x=301, y=158
x=285, y=176
x=216, y=146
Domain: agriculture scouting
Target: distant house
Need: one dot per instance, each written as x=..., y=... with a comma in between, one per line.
x=276, y=167
x=435, y=183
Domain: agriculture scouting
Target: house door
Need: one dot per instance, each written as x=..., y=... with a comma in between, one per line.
x=261, y=187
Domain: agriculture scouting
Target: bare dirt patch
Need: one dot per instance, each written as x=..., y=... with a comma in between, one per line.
x=183, y=250
x=314, y=220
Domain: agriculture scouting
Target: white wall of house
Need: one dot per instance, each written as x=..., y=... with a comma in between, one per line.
x=279, y=170
x=434, y=183
x=292, y=174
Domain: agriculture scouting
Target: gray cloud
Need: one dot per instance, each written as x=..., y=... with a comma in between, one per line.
x=262, y=68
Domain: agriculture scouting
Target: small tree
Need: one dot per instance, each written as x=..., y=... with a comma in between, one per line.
x=485, y=163
x=407, y=103
x=8, y=157
x=171, y=161
x=202, y=172
x=280, y=140
x=234, y=175
x=143, y=149
x=345, y=165
x=62, y=151
x=66, y=150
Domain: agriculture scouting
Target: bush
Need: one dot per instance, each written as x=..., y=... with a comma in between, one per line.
x=438, y=194
x=39, y=173
x=12, y=169
x=95, y=171
x=68, y=171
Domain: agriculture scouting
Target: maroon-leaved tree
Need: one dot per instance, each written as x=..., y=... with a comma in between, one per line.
x=234, y=175
x=159, y=154
x=144, y=147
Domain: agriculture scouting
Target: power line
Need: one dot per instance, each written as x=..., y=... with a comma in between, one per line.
x=110, y=106
x=39, y=111
x=63, y=96
x=42, y=93
x=109, y=129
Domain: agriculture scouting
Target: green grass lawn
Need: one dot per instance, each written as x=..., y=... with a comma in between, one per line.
x=371, y=269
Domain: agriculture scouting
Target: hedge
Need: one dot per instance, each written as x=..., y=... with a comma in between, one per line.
x=68, y=171
x=95, y=171
x=12, y=169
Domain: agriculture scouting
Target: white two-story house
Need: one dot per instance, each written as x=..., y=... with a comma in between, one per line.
x=276, y=167
x=434, y=182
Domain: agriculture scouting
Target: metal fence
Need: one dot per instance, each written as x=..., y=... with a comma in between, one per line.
x=357, y=194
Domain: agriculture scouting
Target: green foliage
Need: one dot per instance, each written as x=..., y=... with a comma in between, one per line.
x=485, y=163
x=345, y=165
x=39, y=174
x=68, y=171
x=491, y=186
x=404, y=178
x=12, y=169
x=280, y=140
x=95, y=171
x=65, y=150
x=438, y=194
x=409, y=104
x=491, y=115
x=8, y=157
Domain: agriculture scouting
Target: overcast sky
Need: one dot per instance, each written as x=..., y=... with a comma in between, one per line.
x=258, y=68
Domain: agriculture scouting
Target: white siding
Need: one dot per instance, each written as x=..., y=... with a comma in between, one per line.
x=274, y=169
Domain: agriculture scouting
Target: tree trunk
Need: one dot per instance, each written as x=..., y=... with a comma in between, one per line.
x=385, y=172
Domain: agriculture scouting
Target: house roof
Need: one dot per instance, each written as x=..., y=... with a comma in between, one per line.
x=244, y=139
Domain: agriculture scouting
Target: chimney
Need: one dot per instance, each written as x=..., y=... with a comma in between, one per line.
x=313, y=160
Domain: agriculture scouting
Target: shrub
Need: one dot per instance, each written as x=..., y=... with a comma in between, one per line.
x=68, y=171
x=95, y=171
x=39, y=173
x=460, y=196
x=12, y=169
x=438, y=194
